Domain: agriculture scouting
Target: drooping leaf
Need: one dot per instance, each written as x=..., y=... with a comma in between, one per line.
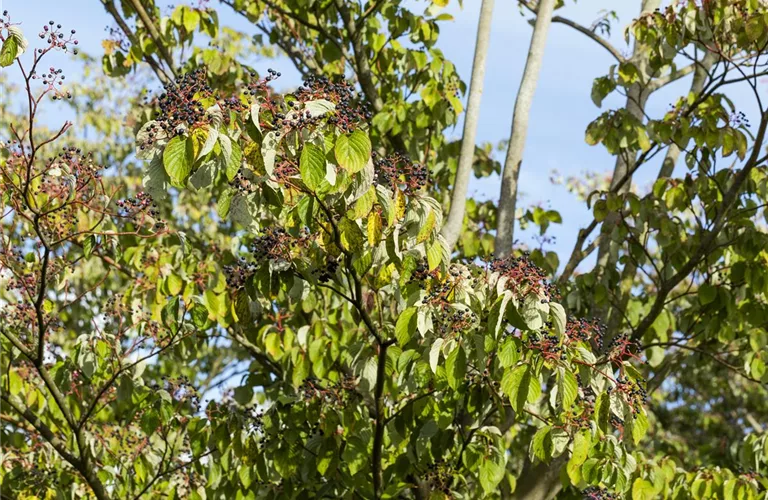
x=178, y=158
x=312, y=166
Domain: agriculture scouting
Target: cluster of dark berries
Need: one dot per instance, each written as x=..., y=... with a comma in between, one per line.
x=439, y=476
x=524, y=277
x=284, y=170
x=548, y=344
x=584, y=330
x=180, y=389
x=337, y=394
x=71, y=171
x=114, y=305
x=621, y=347
x=260, y=86
x=180, y=106
x=56, y=38
x=634, y=393
x=326, y=273
x=422, y=273
x=397, y=171
x=54, y=80
x=455, y=320
x=617, y=422
x=350, y=112
x=586, y=408
x=297, y=119
x=242, y=184
x=78, y=163
x=255, y=418
x=595, y=493
x=274, y=243
x=140, y=204
x=739, y=119
x=20, y=317
x=438, y=291
x=238, y=274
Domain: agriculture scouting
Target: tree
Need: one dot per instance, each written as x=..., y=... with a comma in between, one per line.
x=455, y=219
x=253, y=299
x=511, y=173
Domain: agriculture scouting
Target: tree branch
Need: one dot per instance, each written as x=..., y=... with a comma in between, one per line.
x=708, y=241
x=156, y=37
x=159, y=71
x=581, y=29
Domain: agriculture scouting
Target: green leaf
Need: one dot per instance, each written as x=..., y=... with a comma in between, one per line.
x=155, y=180
x=405, y=326
x=312, y=166
x=425, y=231
x=603, y=411
x=225, y=200
x=353, y=150
x=88, y=245
x=456, y=367
x=199, y=316
x=642, y=139
x=15, y=382
x=557, y=313
x=707, y=294
x=590, y=470
x=541, y=445
x=233, y=156
x=754, y=28
x=757, y=368
x=509, y=354
x=269, y=151
x=211, y=136
x=520, y=386
x=351, y=235
x=363, y=205
x=434, y=254
x=491, y=474
x=639, y=426
x=9, y=51
x=642, y=489
x=567, y=388
x=496, y=316
x=174, y=283
x=374, y=228
x=319, y=107
x=581, y=443
x=13, y=46
x=178, y=158
x=245, y=476
x=434, y=354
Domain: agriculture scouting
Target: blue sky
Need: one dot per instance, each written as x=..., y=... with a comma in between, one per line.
x=561, y=110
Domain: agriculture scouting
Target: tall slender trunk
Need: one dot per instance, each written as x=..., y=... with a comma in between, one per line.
x=452, y=227
x=505, y=232
x=637, y=96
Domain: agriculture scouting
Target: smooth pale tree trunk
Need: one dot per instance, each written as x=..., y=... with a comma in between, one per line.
x=637, y=96
x=505, y=232
x=452, y=227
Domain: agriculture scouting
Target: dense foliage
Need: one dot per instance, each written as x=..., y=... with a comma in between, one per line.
x=225, y=291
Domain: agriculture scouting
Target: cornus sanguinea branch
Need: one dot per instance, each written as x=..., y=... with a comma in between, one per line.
x=231, y=288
